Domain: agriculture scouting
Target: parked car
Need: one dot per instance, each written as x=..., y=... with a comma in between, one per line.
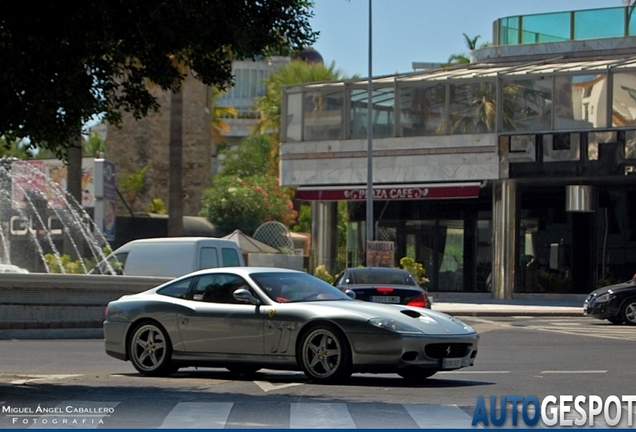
x=170, y=256
x=247, y=318
x=615, y=303
x=383, y=285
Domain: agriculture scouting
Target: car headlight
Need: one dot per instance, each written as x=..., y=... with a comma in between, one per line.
x=394, y=325
x=462, y=324
x=604, y=297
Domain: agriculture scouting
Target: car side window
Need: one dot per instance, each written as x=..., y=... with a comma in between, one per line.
x=208, y=258
x=230, y=257
x=219, y=288
x=178, y=289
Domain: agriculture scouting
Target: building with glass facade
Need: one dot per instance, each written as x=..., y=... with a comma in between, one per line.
x=511, y=175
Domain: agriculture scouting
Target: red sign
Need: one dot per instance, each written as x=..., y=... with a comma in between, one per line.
x=391, y=192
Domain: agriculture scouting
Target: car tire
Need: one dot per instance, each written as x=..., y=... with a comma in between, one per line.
x=324, y=354
x=416, y=373
x=628, y=311
x=150, y=350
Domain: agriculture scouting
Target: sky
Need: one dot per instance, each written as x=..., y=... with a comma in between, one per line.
x=407, y=31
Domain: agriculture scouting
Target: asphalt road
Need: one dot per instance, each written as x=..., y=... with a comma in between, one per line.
x=517, y=356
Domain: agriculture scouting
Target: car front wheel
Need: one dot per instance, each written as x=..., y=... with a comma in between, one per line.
x=628, y=312
x=324, y=354
x=151, y=350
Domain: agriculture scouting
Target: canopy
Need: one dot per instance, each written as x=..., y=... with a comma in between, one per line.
x=248, y=244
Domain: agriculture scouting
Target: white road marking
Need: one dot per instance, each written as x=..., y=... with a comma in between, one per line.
x=573, y=372
x=439, y=416
x=461, y=372
x=268, y=386
x=198, y=415
x=40, y=378
x=320, y=416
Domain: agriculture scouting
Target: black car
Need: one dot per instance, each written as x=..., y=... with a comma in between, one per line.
x=383, y=285
x=615, y=303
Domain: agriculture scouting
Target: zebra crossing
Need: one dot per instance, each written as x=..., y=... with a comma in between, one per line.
x=257, y=415
x=588, y=327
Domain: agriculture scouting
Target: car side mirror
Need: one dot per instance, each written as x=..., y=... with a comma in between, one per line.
x=350, y=293
x=244, y=295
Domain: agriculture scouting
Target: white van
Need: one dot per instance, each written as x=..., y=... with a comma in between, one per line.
x=170, y=256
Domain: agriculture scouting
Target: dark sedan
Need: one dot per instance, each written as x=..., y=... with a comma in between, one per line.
x=383, y=285
x=615, y=303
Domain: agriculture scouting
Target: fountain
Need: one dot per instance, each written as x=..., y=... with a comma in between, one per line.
x=38, y=218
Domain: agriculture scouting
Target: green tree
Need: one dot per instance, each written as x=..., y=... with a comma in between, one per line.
x=458, y=59
x=235, y=203
x=66, y=62
x=248, y=159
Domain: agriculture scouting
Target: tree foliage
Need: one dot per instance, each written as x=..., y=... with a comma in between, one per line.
x=64, y=62
x=248, y=159
x=235, y=203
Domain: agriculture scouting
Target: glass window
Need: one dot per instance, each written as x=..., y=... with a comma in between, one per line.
x=552, y=27
x=178, y=289
x=219, y=288
x=594, y=139
x=522, y=148
x=209, y=258
x=422, y=110
x=561, y=147
x=323, y=116
x=579, y=101
x=599, y=23
x=293, y=121
x=382, y=111
x=527, y=105
x=509, y=31
x=472, y=108
x=230, y=257
x=624, y=99
x=630, y=144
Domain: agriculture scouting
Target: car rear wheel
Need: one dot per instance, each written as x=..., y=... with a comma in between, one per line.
x=628, y=312
x=324, y=354
x=416, y=373
x=151, y=350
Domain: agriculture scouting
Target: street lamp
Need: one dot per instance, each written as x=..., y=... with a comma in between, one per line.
x=370, y=139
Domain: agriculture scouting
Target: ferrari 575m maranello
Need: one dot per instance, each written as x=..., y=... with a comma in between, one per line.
x=248, y=318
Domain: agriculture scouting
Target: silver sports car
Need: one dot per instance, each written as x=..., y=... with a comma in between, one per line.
x=247, y=318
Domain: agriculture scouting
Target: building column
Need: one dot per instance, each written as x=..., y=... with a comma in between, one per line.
x=504, y=242
x=324, y=234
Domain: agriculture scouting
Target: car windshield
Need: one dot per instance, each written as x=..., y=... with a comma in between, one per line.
x=296, y=287
x=383, y=276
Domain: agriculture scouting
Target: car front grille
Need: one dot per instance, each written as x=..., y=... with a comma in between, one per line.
x=446, y=350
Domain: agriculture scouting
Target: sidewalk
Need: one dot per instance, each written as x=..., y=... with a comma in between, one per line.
x=528, y=307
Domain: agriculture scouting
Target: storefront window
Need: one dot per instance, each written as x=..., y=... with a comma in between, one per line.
x=624, y=99
x=579, y=102
x=451, y=269
x=527, y=105
x=472, y=108
x=382, y=112
x=323, y=116
x=422, y=110
x=293, y=130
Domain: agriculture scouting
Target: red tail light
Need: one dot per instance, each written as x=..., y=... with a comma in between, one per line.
x=419, y=301
x=384, y=289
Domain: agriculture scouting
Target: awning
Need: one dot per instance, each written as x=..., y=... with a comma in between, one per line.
x=396, y=192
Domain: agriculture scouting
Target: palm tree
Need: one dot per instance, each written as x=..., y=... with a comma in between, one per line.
x=471, y=43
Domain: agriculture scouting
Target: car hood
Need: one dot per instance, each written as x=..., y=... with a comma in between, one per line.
x=425, y=320
x=629, y=285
